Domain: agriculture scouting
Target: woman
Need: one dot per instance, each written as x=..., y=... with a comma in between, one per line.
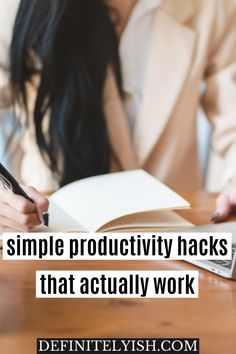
x=113, y=85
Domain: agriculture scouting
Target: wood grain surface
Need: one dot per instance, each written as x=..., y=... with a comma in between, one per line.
x=212, y=317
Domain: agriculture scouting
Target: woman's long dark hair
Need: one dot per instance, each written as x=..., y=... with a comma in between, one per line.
x=75, y=42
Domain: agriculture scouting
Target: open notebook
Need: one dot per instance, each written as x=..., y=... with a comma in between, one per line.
x=116, y=202
x=123, y=201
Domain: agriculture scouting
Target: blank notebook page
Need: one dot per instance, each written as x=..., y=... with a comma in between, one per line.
x=97, y=200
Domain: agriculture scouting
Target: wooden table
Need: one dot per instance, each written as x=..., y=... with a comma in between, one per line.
x=23, y=318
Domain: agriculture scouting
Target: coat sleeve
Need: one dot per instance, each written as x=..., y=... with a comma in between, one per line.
x=219, y=99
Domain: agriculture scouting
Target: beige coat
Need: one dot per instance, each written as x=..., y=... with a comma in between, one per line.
x=191, y=40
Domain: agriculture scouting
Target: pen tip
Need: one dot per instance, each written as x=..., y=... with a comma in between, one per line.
x=45, y=218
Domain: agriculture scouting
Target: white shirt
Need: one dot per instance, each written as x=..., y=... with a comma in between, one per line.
x=134, y=48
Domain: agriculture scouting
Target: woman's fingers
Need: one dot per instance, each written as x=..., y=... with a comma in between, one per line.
x=12, y=225
x=19, y=214
x=17, y=202
x=223, y=208
x=40, y=201
x=24, y=219
x=225, y=203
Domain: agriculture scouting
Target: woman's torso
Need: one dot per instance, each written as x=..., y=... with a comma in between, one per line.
x=157, y=130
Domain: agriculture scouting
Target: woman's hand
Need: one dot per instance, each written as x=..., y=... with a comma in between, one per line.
x=18, y=213
x=226, y=202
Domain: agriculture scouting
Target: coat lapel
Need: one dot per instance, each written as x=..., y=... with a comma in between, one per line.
x=170, y=58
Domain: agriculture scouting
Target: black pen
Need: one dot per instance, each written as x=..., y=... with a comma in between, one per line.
x=11, y=184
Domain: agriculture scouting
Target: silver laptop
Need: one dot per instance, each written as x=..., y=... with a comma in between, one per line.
x=225, y=268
